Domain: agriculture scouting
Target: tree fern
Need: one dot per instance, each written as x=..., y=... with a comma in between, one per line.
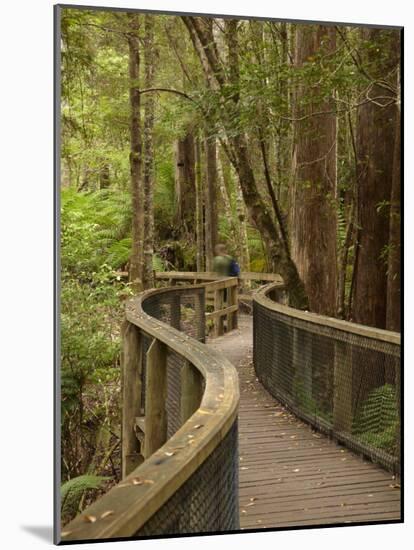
x=71, y=493
x=376, y=420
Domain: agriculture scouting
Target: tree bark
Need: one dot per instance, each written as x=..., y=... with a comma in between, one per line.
x=199, y=207
x=185, y=186
x=211, y=216
x=394, y=245
x=135, y=157
x=375, y=151
x=313, y=225
x=149, y=109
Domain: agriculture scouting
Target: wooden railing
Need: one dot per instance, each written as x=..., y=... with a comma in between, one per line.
x=302, y=355
x=207, y=417
x=216, y=295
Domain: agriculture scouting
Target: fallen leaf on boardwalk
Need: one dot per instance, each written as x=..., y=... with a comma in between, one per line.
x=278, y=414
x=343, y=459
x=250, y=504
x=343, y=503
x=370, y=495
x=253, y=499
x=198, y=426
x=65, y=533
x=244, y=468
x=244, y=512
x=190, y=436
x=137, y=481
x=89, y=519
x=293, y=437
x=395, y=485
x=170, y=454
x=107, y=513
x=259, y=521
x=296, y=470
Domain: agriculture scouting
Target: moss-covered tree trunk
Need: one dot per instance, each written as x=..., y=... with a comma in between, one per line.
x=135, y=157
x=149, y=108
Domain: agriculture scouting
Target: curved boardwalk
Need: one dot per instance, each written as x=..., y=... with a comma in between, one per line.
x=290, y=475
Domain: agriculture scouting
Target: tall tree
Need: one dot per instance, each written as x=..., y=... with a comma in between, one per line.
x=376, y=123
x=313, y=225
x=238, y=148
x=210, y=213
x=394, y=244
x=185, y=185
x=149, y=108
x=199, y=206
x=135, y=157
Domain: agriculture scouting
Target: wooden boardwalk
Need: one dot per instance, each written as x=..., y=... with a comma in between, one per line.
x=290, y=475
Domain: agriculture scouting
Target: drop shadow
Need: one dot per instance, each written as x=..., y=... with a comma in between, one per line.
x=43, y=532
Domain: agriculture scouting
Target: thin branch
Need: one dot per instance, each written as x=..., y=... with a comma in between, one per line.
x=171, y=91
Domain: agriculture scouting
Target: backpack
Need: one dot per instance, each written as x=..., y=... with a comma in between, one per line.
x=234, y=268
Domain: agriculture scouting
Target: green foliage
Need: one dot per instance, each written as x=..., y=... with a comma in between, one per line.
x=94, y=232
x=93, y=245
x=376, y=421
x=71, y=493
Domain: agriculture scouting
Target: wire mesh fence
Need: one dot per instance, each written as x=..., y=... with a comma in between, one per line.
x=344, y=383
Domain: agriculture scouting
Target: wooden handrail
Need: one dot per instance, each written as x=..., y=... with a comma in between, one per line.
x=262, y=297
x=127, y=506
x=212, y=276
x=344, y=338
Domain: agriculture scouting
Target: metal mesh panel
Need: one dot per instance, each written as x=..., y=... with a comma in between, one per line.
x=207, y=501
x=181, y=308
x=184, y=310
x=345, y=384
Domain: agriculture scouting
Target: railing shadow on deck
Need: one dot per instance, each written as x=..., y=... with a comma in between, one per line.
x=180, y=402
x=341, y=377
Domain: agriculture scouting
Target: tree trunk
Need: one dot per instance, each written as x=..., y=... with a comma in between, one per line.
x=211, y=221
x=394, y=248
x=135, y=157
x=199, y=207
x=313, y=225
x=149, y=108
x=228, y=211
x=375, y=151
x=185, y=186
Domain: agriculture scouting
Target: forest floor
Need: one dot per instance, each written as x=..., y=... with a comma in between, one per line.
x=291, y=475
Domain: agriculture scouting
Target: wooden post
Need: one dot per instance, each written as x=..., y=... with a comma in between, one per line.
x=199, y=311
x=232, y=294
x=342, y=405
x=155, y=398
x=191, y=391
x=131, y=396
x=176, y=311
x=218, y=305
